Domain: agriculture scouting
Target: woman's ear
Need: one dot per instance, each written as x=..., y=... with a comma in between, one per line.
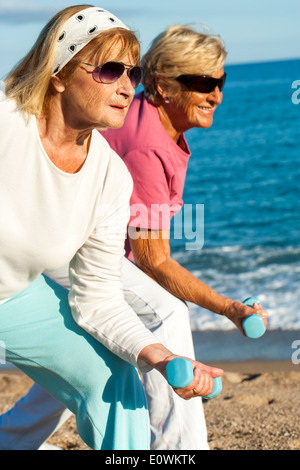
x=163, y=88
x=58, y=84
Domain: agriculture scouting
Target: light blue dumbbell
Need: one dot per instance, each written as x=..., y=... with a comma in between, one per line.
x=180, y=374
x=217, y=388
x=253, y=325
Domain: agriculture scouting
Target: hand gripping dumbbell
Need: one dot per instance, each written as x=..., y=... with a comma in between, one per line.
x=253, y=324
x=180, y=374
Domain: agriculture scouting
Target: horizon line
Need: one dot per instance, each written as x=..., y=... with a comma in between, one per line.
x=263, y=61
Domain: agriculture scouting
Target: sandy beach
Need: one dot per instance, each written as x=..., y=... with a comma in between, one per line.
x=258, y=408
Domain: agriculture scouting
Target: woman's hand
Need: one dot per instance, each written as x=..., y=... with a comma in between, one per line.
x=203, y=382
x=237, y=312
x=158, y=356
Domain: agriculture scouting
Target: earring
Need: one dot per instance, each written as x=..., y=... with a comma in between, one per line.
x=167, y=100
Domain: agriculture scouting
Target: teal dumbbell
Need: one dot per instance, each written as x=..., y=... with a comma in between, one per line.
x=180, y=374
x=253, y=325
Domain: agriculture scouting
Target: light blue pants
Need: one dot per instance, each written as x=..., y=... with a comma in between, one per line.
x=103, y=391
x=175, y=424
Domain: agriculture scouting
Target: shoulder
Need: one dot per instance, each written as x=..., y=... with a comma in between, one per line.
x=145, y=160
x=116, y=175
x=119, y=168
x=11, y=119
x=142, y=128
x=7, y=106
x=9, y=112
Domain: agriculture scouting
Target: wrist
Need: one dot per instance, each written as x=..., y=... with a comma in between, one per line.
x=226, y=307
x=234, y=309
x=157, y=356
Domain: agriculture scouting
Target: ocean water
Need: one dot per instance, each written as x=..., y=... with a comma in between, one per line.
x=245, y=170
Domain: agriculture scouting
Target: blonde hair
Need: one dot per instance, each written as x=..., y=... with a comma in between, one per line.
x=29, y=83
x=181, y=50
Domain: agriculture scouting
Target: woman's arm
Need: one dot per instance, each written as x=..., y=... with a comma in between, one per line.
x=151, y=251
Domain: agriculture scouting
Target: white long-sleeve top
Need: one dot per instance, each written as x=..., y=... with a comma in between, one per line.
x=49, y=218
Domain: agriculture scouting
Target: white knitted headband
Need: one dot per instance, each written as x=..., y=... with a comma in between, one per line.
x=79, y=30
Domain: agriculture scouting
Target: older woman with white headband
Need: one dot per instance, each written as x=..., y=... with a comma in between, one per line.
x=64, y=199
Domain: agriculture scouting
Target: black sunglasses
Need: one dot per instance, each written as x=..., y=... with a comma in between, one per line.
x=202, y=83
x=110, y=72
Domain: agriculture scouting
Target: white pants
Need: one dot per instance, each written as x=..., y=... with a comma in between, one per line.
x=176, y=424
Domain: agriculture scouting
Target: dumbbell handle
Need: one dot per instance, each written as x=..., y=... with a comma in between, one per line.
x=253, y=324
x=180, y=374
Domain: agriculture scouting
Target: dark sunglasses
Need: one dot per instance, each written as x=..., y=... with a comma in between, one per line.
x=202, y=83
x=110, y=72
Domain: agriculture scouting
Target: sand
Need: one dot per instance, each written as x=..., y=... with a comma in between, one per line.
x=258, y=408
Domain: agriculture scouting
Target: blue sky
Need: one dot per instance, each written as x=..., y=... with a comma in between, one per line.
x=253, y=30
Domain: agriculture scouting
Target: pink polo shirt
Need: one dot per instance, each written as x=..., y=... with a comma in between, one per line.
x=157, y=165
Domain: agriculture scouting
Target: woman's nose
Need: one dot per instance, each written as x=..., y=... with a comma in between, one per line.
x=216, y=95
x=125, y=85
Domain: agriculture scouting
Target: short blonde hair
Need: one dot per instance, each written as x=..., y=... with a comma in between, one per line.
x=29, y=83
x=181, y=50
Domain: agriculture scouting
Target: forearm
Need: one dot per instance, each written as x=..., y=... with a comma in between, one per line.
x=184, y=285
